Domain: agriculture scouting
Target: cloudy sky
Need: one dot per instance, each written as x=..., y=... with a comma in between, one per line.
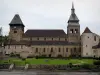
x=50, y=14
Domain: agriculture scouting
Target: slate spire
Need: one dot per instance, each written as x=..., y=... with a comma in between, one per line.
x=16, y=20
x=73, y=17
x=73, y=10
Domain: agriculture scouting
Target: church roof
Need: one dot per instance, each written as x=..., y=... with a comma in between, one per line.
x=87, y=30
x=28, y=43
x=16, y=20
x=45, y=33
x=96, y=46
x=73, y=17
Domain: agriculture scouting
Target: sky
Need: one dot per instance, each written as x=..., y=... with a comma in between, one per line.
x=50, y=14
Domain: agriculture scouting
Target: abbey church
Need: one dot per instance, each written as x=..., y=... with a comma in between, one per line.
x=52, y=42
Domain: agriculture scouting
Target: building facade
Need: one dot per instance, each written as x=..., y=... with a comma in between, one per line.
x=89, y=43
x=52, y=42
x=49, y=43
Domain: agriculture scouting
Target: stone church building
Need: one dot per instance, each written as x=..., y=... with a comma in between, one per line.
x=51, y=42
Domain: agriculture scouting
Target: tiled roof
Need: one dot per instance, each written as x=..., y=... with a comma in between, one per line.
x=45, y=33
x=41, y=43
x=87, y=30
x=16, y=20
x=96, y=46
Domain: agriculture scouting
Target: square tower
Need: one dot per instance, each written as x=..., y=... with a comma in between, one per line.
x=16, y=28
x=73, y=28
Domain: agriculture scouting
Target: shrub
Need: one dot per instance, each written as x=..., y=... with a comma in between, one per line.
x=59, y=56
x=86, y=66
x=18, y=55
x=96, y=62
x=12, y=55
x=30, y=57
x=70, y=65
x=36, y=57
x=23, y=59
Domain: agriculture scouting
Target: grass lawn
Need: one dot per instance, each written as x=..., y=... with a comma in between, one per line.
x=47, y=61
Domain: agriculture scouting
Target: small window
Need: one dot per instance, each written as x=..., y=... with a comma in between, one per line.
x=51, y=49
x=52, y=38
x=44, y=50
x=36, y=49
x=71, y=30
x=94, y=51
x=8, y=46
x=15, y=31
x=30, y=39
x=15, y=47
x=37, y=38
x=74, y=49
x=44, y=38
x=66, y=49
x=94, y=38
x=65, y=39
x=86, y=45
x=86, y=53
x=59, y=49
x=59, y=39
x=79, y=49
x=21, y=46
x=76, y=30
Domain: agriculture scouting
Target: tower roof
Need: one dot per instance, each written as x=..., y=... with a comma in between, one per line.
x=16, y=20
x=87, y=30
x=73, y=17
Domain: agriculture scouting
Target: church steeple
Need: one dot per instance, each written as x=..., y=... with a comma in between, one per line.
x=73, y=28
x=73, y=17
x=72, y=10
x=16, y=20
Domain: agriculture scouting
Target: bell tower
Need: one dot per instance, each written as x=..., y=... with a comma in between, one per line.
x=16, y=28
x=73, y=28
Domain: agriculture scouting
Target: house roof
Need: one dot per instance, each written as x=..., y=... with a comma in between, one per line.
x=16, y=20
x=44, y=33
x=96, y=46
x=87, y=30
x=41, y=43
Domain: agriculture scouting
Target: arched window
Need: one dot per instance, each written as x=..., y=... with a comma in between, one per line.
x=36, y=49
x=59, y=49
x=76, y=30
x=52, y=38
x=44, y=50
x=71, y=30
x=44, y=38
x=74, y=49
x=51, y=49
x=66, y=49
x=38, y=38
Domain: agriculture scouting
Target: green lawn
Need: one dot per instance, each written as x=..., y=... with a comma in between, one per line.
x=47, y=61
